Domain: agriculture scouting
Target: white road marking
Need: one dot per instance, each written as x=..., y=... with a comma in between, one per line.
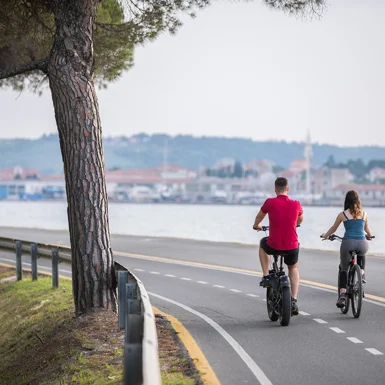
x=303, y=312
x=264, y=299
x=202, y=282
x=236, y=291
x=354, y=340
x=219, y=286
x=139, y=270
x=337, y=330
x=186, y=279
x=320, y=321
x=220, y=268
x=154, y=272
x=253, y=295
x=255, y=369
x=170, y=275
x=374, y=351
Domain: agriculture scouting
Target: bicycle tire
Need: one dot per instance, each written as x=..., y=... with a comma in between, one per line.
x=344, y=309
x=356, y=291
x=273, y=315
x=285, y=310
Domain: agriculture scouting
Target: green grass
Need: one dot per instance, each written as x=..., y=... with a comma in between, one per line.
x=4, y=273
x=41, y=341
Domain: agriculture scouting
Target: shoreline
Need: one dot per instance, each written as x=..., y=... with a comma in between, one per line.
x=173, y=238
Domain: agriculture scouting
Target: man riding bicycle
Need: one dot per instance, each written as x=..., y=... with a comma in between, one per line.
x=284, y=217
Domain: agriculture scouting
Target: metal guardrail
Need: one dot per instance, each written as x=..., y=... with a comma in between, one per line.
x=135, y=315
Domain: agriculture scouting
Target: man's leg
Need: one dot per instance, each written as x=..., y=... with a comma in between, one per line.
x=265, y=261
x=294, y=279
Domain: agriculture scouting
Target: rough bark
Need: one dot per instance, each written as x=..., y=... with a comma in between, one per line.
x=70, y=73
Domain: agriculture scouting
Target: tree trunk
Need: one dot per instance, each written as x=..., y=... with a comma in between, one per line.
x=70, y=73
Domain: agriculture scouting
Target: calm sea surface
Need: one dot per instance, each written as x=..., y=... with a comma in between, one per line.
x=212, y=223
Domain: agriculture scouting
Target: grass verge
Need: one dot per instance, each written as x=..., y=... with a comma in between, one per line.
x=41, y=342
x=5, y=272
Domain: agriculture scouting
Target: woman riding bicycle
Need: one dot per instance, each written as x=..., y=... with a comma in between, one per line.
x=357, y=232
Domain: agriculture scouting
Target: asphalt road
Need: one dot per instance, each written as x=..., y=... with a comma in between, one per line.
x=213, y=290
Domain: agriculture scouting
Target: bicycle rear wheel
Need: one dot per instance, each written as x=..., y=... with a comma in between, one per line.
x=356, y=288
x=344, y=309
x=285, y=311
x=270, y=302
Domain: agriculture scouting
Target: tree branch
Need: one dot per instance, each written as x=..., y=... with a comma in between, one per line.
x=41, y=65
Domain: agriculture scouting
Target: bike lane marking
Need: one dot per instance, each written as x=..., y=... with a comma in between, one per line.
x=320, y=321
x=315, y=285
x=250, y=363
x=354, y=340
x=375, y=352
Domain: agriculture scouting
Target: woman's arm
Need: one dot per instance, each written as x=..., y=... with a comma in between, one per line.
x=367, y=228
x=334, y=228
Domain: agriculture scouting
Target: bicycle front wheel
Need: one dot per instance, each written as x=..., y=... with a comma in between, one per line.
x=285, y=311
x=356, y=288
x=270, y=302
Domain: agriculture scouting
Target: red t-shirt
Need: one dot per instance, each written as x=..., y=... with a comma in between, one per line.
x=283, y=214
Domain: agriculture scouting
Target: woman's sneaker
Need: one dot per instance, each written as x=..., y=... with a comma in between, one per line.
x=363, y=278
x=341, y=300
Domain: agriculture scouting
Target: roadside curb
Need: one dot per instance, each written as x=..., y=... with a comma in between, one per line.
x=206, y=372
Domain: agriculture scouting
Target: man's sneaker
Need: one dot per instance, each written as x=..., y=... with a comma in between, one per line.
x=265, y=281
x=363, y=278
x=341, y=300
x=294, y=307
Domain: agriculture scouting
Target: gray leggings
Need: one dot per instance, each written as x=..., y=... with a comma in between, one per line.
x=361, y=246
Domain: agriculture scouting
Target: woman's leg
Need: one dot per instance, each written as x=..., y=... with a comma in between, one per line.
x=363, y=247
x=346, y=246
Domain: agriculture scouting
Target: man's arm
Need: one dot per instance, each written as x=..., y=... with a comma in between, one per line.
x=258, y=219
x=300, y=215
x=299, y=219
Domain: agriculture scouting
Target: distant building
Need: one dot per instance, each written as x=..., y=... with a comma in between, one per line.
x=377, y=175
x=27, y=184
x=259, y=166
x=370, y=194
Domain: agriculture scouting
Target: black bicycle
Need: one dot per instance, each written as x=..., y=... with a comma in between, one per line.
x=354, y=289
x=278, y=294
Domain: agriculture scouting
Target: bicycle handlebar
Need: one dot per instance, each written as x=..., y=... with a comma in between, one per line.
x=334, y=237
x=265, y=228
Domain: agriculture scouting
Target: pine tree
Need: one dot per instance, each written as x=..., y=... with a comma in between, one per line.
x=71, y=45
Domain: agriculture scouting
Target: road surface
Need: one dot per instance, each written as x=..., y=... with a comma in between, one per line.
x=212, y=288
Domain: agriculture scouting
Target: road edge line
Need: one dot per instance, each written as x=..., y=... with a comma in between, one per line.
x=201, y=363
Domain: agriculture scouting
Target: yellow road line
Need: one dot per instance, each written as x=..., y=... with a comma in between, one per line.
x=39, y=273
x=236, y=270
x=207, y=374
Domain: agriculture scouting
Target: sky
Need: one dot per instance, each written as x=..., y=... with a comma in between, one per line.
x=241, y=69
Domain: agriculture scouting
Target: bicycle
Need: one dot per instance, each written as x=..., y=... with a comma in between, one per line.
x=354, y=290
x=278, y=294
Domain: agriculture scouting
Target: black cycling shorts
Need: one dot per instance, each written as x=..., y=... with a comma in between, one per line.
x=290, y=257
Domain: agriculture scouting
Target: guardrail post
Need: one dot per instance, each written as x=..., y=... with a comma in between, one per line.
x=55, y=268
x=34, y=261
x=19, y=269
x=122, y=297
x=133, y=337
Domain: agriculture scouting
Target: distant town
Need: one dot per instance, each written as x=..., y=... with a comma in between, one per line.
x=225, y=182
